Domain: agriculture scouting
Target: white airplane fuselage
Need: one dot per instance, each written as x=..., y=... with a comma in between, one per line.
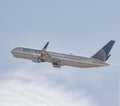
x=59, y=58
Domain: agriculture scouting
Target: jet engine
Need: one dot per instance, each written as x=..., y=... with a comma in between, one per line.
x=36, y=59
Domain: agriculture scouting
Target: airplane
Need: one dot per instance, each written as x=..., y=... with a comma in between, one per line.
x=60, y=59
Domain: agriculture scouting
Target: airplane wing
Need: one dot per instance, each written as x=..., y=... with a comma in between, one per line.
x=45, y=56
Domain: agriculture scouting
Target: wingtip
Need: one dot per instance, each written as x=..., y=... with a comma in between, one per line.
x=112, y=41
x=46, y=45
x=47, y=42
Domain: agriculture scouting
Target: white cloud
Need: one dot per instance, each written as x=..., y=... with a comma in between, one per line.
x=26, y=89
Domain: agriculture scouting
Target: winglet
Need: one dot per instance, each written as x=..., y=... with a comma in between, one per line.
x=103, y=54
x=45, y=47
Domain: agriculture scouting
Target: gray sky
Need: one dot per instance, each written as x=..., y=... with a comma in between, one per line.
x=80, y=27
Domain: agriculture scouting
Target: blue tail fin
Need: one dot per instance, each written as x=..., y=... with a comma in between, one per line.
x=103, y=54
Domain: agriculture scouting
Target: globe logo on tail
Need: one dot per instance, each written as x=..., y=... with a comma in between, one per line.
x=101, y=55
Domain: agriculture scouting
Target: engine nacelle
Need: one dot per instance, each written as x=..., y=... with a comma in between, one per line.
x=36, y=59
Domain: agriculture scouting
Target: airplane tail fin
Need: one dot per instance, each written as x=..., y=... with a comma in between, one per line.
x=103, y=54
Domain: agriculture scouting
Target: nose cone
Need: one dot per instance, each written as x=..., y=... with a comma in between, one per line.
x=13, y=51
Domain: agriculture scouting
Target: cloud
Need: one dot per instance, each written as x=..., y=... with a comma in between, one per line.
x=23, y=88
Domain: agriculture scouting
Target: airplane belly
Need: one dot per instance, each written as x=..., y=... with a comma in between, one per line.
x=78, y=64
x=22, y=55
x=83, y=64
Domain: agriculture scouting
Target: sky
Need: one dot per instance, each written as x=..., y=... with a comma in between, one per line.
x=80, y=27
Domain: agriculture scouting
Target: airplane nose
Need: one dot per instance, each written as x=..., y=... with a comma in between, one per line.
x=13, y=51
